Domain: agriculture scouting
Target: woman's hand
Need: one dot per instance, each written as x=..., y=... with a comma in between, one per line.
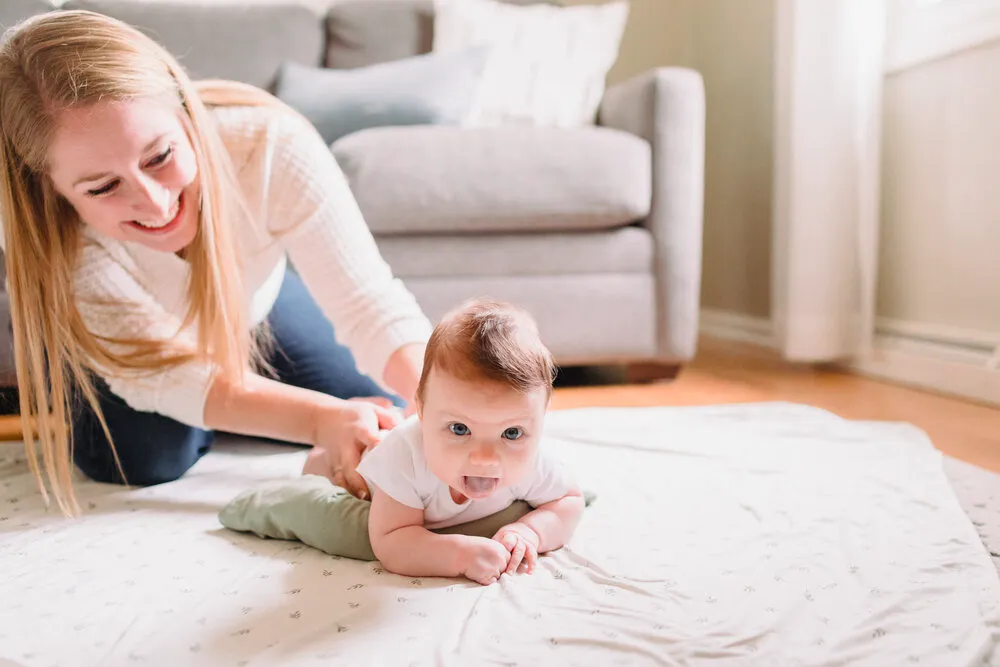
x=343, y=431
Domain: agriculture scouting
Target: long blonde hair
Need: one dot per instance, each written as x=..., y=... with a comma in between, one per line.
x=76, y=58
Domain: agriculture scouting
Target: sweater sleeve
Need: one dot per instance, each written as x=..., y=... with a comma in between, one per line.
x=114, y=303
x=312, y=211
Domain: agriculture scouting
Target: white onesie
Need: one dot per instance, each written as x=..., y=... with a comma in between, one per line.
x=397, y=467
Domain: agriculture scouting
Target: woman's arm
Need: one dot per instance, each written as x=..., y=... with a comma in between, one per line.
x=267, y=408
x=314, y=215
x=402, y=372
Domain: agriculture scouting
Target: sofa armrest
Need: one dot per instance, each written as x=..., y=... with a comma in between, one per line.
x=666, y=107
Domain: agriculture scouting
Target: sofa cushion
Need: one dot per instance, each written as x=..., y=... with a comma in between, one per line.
x=434, y=88
x=547, y=66
x=245, y=42
x=14, y=11
x=427, y=179
x=362, y=32
x=607, y=251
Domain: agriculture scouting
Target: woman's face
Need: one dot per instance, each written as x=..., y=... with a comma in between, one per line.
x=129, y=170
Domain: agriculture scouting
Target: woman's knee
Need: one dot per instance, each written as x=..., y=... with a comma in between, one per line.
x=148, y=448
x=150, y=461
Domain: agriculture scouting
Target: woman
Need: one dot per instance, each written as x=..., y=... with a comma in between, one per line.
x=147, y=223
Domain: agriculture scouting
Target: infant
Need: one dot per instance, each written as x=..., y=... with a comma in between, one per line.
x=471, y=450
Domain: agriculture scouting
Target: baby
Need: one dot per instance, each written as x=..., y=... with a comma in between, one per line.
x=471, y=450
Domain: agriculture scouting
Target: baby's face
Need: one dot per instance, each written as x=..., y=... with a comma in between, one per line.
x=479, y=437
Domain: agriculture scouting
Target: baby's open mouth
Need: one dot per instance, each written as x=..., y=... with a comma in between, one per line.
x=479, y=486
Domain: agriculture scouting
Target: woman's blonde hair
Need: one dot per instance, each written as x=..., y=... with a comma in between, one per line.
x=76, y=58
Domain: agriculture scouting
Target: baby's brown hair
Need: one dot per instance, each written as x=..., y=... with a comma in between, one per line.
x=489, y=340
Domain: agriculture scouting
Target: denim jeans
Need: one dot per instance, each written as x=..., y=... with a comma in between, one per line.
x=154, y=449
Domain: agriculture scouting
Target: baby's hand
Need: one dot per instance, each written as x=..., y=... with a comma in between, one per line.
x=483, y=560
x=522, y=543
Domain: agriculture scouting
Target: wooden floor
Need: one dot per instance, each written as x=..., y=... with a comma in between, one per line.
x=729, y=373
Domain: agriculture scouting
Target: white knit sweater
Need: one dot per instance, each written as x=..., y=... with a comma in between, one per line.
x=303, y=210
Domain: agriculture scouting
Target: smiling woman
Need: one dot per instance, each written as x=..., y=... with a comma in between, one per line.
x=150, y=296
x=141, y=187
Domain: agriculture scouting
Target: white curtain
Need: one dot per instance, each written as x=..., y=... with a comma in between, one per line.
x=829, y=68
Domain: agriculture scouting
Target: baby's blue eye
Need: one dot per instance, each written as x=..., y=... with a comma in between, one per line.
x=513, y=433
x=459, y=429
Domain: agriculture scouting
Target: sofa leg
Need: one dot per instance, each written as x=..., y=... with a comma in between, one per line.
x=648, y=373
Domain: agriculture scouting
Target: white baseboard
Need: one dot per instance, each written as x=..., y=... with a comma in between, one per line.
x=738, y=327
x=941, y=359
x=937, y=367
x=958, y=337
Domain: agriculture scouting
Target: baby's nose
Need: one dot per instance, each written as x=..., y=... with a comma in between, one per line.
x=484, y=455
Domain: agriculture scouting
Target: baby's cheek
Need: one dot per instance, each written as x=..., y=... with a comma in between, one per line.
x=444, y=462
x=517, y=467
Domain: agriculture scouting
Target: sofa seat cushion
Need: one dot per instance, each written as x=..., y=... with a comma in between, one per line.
x=625, y=250
x=447, y=179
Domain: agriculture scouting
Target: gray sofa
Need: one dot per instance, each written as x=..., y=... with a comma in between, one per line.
x=597, y=231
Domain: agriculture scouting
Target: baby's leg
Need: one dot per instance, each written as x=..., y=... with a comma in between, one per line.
x=309, y=509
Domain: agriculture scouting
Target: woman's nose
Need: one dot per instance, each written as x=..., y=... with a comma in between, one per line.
x=152, y=200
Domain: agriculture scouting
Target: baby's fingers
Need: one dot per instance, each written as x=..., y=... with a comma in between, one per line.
x=530, y=558
x=516, y=556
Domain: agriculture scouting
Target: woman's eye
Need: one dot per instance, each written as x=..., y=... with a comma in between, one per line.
x=103, y=190
x=161, y=158
x=459, y=429
x=513, y=433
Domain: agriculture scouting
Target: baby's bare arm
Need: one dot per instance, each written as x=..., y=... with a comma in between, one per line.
x=404, y=546
x=555, y=521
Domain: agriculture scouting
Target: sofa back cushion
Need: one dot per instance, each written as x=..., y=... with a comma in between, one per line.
x=243, y=42
x=362, y=32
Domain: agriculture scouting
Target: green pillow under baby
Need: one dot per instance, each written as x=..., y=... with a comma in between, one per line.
x=312, y=510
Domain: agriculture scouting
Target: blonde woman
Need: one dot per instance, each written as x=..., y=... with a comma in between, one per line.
x=149, y=229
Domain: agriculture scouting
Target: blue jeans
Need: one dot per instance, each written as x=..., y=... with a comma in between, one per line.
x=154, y=449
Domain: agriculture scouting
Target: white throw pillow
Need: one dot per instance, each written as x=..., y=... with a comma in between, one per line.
x=548, y=64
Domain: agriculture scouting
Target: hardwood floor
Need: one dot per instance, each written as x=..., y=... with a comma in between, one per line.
x=730, y=373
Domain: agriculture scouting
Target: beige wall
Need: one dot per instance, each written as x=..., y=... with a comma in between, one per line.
x=733, y=50
x=940, y=246
x=730, y=42
x=658, y=33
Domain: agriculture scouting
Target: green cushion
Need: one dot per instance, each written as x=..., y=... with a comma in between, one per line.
x=312, y=510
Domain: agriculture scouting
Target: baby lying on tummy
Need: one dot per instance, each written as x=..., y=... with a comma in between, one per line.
x=471, y=450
